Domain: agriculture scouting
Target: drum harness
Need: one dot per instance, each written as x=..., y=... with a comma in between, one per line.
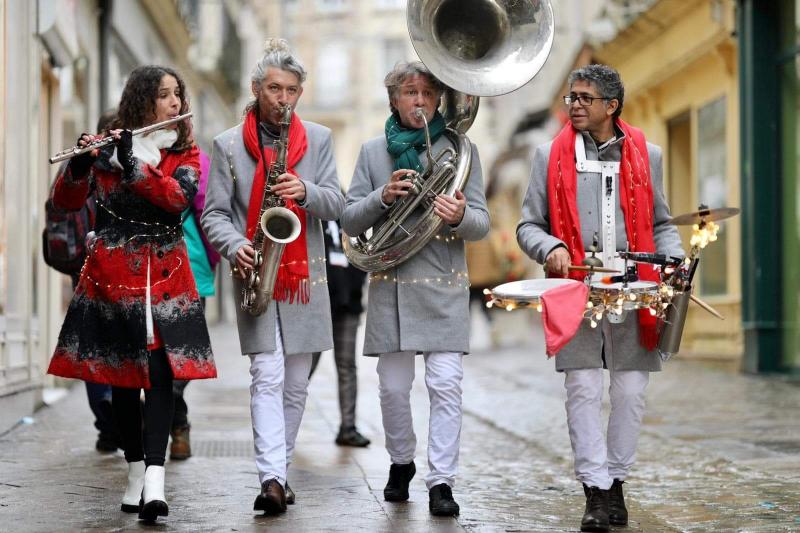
x=607, y=170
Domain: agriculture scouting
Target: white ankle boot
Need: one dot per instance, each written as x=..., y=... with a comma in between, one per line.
x=133, y=493
x=155, y=503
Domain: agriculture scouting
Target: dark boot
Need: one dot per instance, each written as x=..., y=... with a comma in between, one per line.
x=272, y=499
x=396, y=489
x=106, y=442
x=351, y=437
x=617, y=512
x=441, y=502
x=595, y=518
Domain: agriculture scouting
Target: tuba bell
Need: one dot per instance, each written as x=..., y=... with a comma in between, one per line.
x=476, y=48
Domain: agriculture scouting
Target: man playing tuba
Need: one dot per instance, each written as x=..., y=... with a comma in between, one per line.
x=422, y=305
x=280, y=341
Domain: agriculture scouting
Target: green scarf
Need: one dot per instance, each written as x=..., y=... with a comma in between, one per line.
x=404, y=144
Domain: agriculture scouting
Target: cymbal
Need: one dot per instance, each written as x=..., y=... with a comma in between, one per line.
x=587, y=268
x=720, y=213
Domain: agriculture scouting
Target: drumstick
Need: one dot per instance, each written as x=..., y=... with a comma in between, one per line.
x=705, y=306
x=589, y=268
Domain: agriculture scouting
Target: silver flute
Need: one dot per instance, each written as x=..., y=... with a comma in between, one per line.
x=69, y=153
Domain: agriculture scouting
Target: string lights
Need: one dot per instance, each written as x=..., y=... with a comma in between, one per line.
x=604, y=301
x=703, y=234
x=458, y=279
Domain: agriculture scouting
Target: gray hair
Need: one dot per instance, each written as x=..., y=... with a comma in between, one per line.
x=605, y=79
x=404, y=70
x=277, y=54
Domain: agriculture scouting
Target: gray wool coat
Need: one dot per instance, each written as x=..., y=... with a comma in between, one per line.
x=612, y=346
x=423, y=304
x=305, y=328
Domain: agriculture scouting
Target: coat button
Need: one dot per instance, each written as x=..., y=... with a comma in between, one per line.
x=165, y=273
x=160, y=254
x=166, y=296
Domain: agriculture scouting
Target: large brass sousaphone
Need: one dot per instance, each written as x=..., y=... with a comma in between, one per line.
x=476, y=48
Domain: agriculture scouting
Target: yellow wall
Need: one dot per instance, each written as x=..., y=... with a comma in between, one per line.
x=674, y=60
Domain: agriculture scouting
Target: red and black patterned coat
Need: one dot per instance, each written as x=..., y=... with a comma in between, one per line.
x=104, y=336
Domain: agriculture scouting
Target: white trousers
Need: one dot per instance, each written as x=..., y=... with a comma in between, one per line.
x=598, y=459
x=443, y=374
x=278, y=394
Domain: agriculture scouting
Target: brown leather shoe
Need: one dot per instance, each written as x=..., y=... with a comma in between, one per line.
x=272, y=499
x=180, y=448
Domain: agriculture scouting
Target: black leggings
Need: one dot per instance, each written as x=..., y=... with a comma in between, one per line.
x=159, y=405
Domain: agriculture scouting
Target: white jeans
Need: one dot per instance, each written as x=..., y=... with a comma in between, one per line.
x=278, y=394
x=443, y=374
x=599, y=460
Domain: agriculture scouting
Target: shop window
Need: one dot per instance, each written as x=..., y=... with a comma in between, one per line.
x=391, y=51
x=712, y=190
x=333, y=74
x=332, y=5
x=390, y=4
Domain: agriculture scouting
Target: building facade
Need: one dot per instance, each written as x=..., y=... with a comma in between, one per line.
x=678, y=62
x=769, y=58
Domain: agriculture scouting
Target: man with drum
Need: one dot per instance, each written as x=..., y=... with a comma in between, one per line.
x=422, y=305
x=599, y=176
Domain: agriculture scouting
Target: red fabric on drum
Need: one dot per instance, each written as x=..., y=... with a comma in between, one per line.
x=562, y=314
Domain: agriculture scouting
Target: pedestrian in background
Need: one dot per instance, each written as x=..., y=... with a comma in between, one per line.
x=64, y=248
x=345, y=287
x=135, y=321
x=297, y=322
x=203, y=259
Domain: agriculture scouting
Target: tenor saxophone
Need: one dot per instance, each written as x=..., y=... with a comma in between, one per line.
x=277, y=227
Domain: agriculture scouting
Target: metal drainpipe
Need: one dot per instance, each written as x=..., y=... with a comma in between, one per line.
x=104, y=23
x=762, y=273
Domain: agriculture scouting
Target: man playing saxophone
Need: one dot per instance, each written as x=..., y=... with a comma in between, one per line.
x=297, y=322
x=422, y=305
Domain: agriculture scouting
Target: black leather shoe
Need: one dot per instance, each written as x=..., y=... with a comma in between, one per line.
x=595, y=518
x=617, y=512
x=106, y=443
x=272, y=499
x=351, y=437
x=400, y=476
x=289, y=495
x=441, y=502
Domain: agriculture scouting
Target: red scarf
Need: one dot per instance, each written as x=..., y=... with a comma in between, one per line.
x=292, y=279
x=636, y=196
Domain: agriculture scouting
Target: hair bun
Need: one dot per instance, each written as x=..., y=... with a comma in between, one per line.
x=276, y=45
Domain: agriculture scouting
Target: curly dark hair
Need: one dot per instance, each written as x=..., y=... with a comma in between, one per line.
x=137, y=106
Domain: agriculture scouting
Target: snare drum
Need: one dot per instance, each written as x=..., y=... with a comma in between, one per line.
x=634, y=295
x=524, y=293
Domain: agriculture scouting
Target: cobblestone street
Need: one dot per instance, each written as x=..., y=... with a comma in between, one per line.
x=719, y=451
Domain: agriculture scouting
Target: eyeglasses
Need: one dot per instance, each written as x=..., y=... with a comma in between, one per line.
x=584, y=99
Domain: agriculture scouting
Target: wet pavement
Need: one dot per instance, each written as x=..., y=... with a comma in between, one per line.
x=719, y=451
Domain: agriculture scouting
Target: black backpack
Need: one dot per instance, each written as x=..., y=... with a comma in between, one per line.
x=64, y=235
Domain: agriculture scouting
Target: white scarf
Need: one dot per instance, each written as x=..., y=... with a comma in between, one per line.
x=147, y=148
